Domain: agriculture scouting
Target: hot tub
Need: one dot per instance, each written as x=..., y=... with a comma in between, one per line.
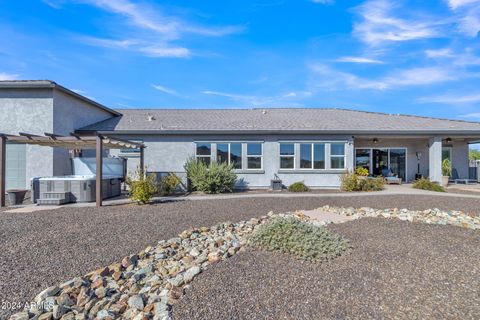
x=81, y=188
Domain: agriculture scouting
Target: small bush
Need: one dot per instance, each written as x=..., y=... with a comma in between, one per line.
x=214, y=178
x=304, y=240
x=446, y=168
x=142, y=186
x=352, y=182
x=426, y=184
x=298, y=187
x=168, y=184
x=362, y=172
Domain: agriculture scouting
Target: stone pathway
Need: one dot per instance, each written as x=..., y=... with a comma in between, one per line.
x=327, y=217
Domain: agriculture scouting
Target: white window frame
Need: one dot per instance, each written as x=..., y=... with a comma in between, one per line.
x=229, y=144
x=286, y=156
x=245, y=166
x=326, y=155
x=344, y=156
x=197, y=156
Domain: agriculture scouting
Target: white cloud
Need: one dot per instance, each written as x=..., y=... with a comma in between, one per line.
x=454, y=4
x=285, y=100
x=323, y=1
x=475, y=115
x=379, y=24
x=337, y=80
x=148, y=30
x=165, y=89
x=439, y=53
x=465, y=58
x=452, y=99
x=359, y=60
x=8, y=76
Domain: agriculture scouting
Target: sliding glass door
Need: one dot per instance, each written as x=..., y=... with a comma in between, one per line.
x=376, y=160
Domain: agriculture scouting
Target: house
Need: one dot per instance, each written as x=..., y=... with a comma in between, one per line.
x=311, y=145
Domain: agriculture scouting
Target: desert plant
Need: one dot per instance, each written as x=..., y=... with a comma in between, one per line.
x=363, y=172
x=350, y=183
x=142, y=186
x=446, y=168
x=305, y=241
x=298, y=187
x=214, y=178
x=426, y=184
x=168, y=184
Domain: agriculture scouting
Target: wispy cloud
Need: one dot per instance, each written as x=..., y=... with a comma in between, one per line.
x=466, y=58
x=359, y=60
x=422, y=76
x=454, y=4
x=323, y=1
x=474, y=115
x=8, y=76
x=378, y=24
x=148, y=30
x=452, y=99
x=165, y=90
x=468, y=14
x=289, y=99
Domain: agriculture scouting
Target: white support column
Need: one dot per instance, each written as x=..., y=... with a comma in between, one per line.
x=435, y=159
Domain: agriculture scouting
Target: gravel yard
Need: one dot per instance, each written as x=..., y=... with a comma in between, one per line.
x=396, y=270
x=44, y=248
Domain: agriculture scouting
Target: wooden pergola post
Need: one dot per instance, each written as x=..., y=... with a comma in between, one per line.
x=99, y=171
x=3, y=171
x=142, y=161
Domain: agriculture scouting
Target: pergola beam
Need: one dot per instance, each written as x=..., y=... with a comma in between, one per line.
x=99, y=172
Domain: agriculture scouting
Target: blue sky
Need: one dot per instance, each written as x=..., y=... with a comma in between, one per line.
x=416, y=57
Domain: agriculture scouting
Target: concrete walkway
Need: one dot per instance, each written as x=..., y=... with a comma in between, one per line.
x=405, y=189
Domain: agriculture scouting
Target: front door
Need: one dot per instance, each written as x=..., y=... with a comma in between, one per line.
x=375, y=160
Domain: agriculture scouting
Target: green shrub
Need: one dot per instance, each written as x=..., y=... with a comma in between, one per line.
x=351, y=182
x=214, y=178
x=168, y=184
x=426, y=184
x=304, y=240
x=298, y=187
x=446, y=168
x=142, y=186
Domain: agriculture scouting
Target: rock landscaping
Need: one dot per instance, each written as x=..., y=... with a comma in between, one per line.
x=429, y=216
x=146, y=285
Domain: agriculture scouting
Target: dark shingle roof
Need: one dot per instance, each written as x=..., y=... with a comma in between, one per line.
x=276, y=120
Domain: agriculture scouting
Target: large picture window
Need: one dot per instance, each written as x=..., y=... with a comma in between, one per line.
x=230, y=153
x=310, y=155
x=254, y=155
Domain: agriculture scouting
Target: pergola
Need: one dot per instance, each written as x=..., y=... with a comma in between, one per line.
x=98, y=143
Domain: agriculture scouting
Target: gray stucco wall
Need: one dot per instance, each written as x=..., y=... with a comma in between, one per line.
x=29, y=110
x=169, y=153
x=43, y=110
x=70, y=113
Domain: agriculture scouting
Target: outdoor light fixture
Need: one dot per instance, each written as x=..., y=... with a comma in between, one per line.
x=448, y=140
x=375, y=140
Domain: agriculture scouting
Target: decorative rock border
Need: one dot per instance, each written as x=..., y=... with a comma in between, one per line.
x=429, y=216
x=146, y=285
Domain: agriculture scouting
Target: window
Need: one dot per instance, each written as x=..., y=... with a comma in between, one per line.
x=287, y=155
x=362, y=158
x=306, y=156
x=337, y=155
x=447, y=153
x=230, y=153
x=204, y=152
x=319, y=156
x=254, y=156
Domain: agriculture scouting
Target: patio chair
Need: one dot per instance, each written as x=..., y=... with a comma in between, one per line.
x=389, y=177
x=456, y=179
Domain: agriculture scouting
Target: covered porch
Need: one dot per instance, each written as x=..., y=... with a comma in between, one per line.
x=99, y=143
x=411, y=157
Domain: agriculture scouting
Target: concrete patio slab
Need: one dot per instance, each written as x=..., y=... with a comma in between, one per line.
x=327, y=217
